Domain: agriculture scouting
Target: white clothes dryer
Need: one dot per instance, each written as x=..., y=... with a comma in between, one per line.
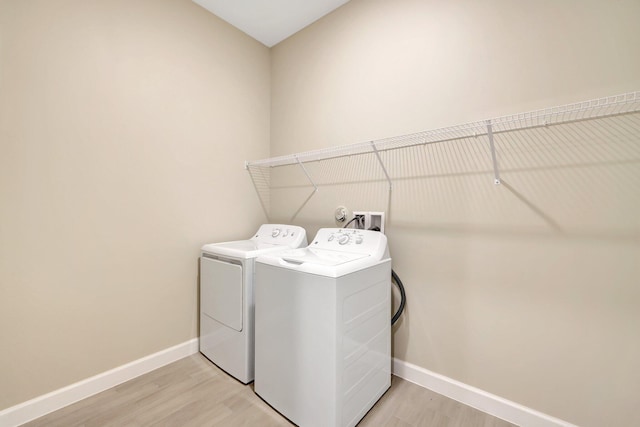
x=226, y=296
x=323, y=328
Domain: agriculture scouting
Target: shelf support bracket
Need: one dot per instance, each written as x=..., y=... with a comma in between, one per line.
x=496, y=172
x=386, y=174
x=304, y=170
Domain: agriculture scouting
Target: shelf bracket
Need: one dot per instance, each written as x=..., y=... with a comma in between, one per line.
x=375, y=150
x=496, y=172
x=304, y=170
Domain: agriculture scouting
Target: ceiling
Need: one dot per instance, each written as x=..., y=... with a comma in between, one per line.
x=270, y=21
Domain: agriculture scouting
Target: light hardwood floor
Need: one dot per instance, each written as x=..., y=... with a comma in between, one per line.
x=194, y=392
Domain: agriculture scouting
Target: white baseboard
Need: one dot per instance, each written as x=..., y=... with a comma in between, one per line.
x=42, y=405
x=476, y=398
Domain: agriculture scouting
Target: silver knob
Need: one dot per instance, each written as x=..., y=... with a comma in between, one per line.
x=343, y=239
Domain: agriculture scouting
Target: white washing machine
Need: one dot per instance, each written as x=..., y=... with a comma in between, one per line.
x=226, y=296
x=323, y=328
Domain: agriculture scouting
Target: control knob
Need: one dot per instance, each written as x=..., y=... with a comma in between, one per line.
x=275, y=232
x=343, y=239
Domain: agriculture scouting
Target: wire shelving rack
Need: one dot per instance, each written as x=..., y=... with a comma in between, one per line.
x=586, y=110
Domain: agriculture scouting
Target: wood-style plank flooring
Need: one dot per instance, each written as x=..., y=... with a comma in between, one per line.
x=194, y=392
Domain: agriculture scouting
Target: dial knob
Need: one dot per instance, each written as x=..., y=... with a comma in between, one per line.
x=331, y=238
x=359, y=240
x=343, y=239
x=275, y=232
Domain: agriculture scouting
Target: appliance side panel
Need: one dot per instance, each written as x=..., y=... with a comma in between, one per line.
x=296, y=344
x=365, y=356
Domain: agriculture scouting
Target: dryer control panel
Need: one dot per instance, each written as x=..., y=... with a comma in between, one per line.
x=281, y=234
x=350, y=240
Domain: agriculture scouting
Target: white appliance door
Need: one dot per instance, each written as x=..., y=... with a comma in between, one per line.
x=221, y=291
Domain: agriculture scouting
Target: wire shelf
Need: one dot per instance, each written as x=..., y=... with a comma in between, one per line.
x=586, y=110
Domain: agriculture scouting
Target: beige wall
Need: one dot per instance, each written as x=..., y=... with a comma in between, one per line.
x=123, y=130
x=124, y=124
x=528, y=290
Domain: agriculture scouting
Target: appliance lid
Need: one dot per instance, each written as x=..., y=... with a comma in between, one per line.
x=334, y=252
x=269, y=238
x=242, y=248
x=317, y=256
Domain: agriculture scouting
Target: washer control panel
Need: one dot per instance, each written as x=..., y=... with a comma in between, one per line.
x=281, y=234
x=349, y=240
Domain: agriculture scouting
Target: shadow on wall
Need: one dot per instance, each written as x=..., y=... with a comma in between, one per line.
x=575, y=179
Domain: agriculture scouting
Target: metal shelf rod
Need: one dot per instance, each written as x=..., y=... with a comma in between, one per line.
x=496, y=173
x=304, y=170
x=375, y=150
